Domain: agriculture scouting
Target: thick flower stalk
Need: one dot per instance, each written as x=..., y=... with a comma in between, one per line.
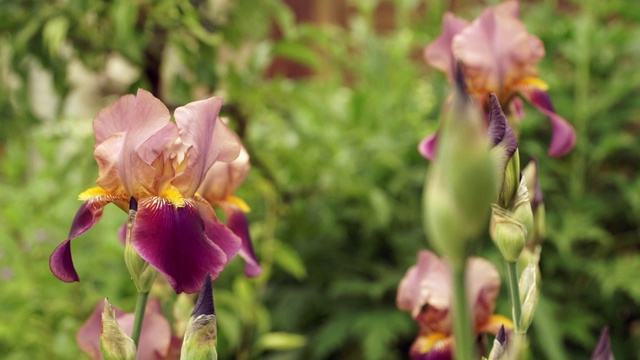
x=426, y=291
x=498, y=56
x=142, y=154
x=218, y=188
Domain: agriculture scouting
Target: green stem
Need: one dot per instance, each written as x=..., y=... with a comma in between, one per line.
x=461, y=315
x=141, y=305
x=514, y=292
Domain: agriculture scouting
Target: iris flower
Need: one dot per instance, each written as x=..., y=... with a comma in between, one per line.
x=426, y=291
x=218, y=187
x=498, y=56
x=143, y=155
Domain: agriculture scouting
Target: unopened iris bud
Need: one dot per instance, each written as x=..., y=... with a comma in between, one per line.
x=508, y=234
x=537, y=235
x=201, y=337
x=521, y=208
x=528, y=286
x=499, y=349
x=114, y=342
x=504, y=150
x=461, y=182
x=141, y=272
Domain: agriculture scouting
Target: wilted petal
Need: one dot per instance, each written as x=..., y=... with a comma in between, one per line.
x=156, y=340
x=427, y=146
x=173, y=240
x=439, y=53
x=428, y=282
x=238, y=223
x=563, y=137
x=603, y=349
x=223, y=178
x=90, y=212
x=208, y=140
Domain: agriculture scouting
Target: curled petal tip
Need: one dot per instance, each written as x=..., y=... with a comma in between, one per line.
x=61, y=263
x=427, y=147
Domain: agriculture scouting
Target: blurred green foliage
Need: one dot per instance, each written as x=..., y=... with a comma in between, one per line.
x=337, y=180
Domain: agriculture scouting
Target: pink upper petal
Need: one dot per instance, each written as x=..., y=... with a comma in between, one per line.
x=208, y=140
x=439, y=53
x=428, y=282
x=496, y=51
x=483, y=286
x=563, y=137
x=173, y=240
x=90, y=212
x=223, y=178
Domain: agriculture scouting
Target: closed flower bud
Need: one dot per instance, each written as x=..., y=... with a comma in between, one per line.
x=528, y=286
x=508, y=234
x=114, y=342
x=141, y=272
x=201, y=337
x=461, y=183
x=521, y=208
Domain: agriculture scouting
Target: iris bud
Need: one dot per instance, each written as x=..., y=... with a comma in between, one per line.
x=201, y=337
x=528, y=286
x=114, y=342
x=507, y=233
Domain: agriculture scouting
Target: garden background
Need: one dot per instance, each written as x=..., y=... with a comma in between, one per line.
x=331, y=98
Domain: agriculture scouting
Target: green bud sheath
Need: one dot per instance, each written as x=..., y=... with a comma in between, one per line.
x=141, y=272
x=201, y=337
x=508, y=234
x=528, y=286
x=114, y=343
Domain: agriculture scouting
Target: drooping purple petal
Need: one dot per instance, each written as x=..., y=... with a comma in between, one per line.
x=603, y=349
x=427, y=147
x=500, y=132
x=238, y=223
x=89, y=213
x=208, y=140
x=439, y=53
x=216, y=231
x=563, y=137
x=173, y=240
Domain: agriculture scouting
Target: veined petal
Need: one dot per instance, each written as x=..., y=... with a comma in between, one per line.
x=90, y=212
x=427, y=146
x=221, y=235
x=439, y=53
x=208, y=138
x=238, y=223
x=563, y=137
x=173, y=240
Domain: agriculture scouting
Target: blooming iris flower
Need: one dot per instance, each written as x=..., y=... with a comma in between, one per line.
x=218, y=187
x=143, y=155
x=426, y=291
x=498, y=56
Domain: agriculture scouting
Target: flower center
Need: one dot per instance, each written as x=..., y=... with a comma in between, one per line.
x=174, y=196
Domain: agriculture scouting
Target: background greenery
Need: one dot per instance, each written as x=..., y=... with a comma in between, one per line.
x=337, y=181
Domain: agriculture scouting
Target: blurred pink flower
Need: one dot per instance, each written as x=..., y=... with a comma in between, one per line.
x=498, y=56
x=218, y=187
x=146, y=159
x=426, y=292
x=156, y=340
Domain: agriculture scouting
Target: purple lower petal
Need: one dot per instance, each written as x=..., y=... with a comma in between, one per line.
x=173, y=240
x=427, y=147
x=563, y=138
x=90, y=212
x=238, y=223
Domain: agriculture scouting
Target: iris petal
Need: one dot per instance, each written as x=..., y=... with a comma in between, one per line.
x=173, y=240
x=238, y=223
x=427, y=146
x=90, y=212
x=563, y=138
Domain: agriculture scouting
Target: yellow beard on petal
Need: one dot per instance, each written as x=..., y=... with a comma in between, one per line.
x=430, y=341
x=174, y=196
x=532, y=81
x=92, y=192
